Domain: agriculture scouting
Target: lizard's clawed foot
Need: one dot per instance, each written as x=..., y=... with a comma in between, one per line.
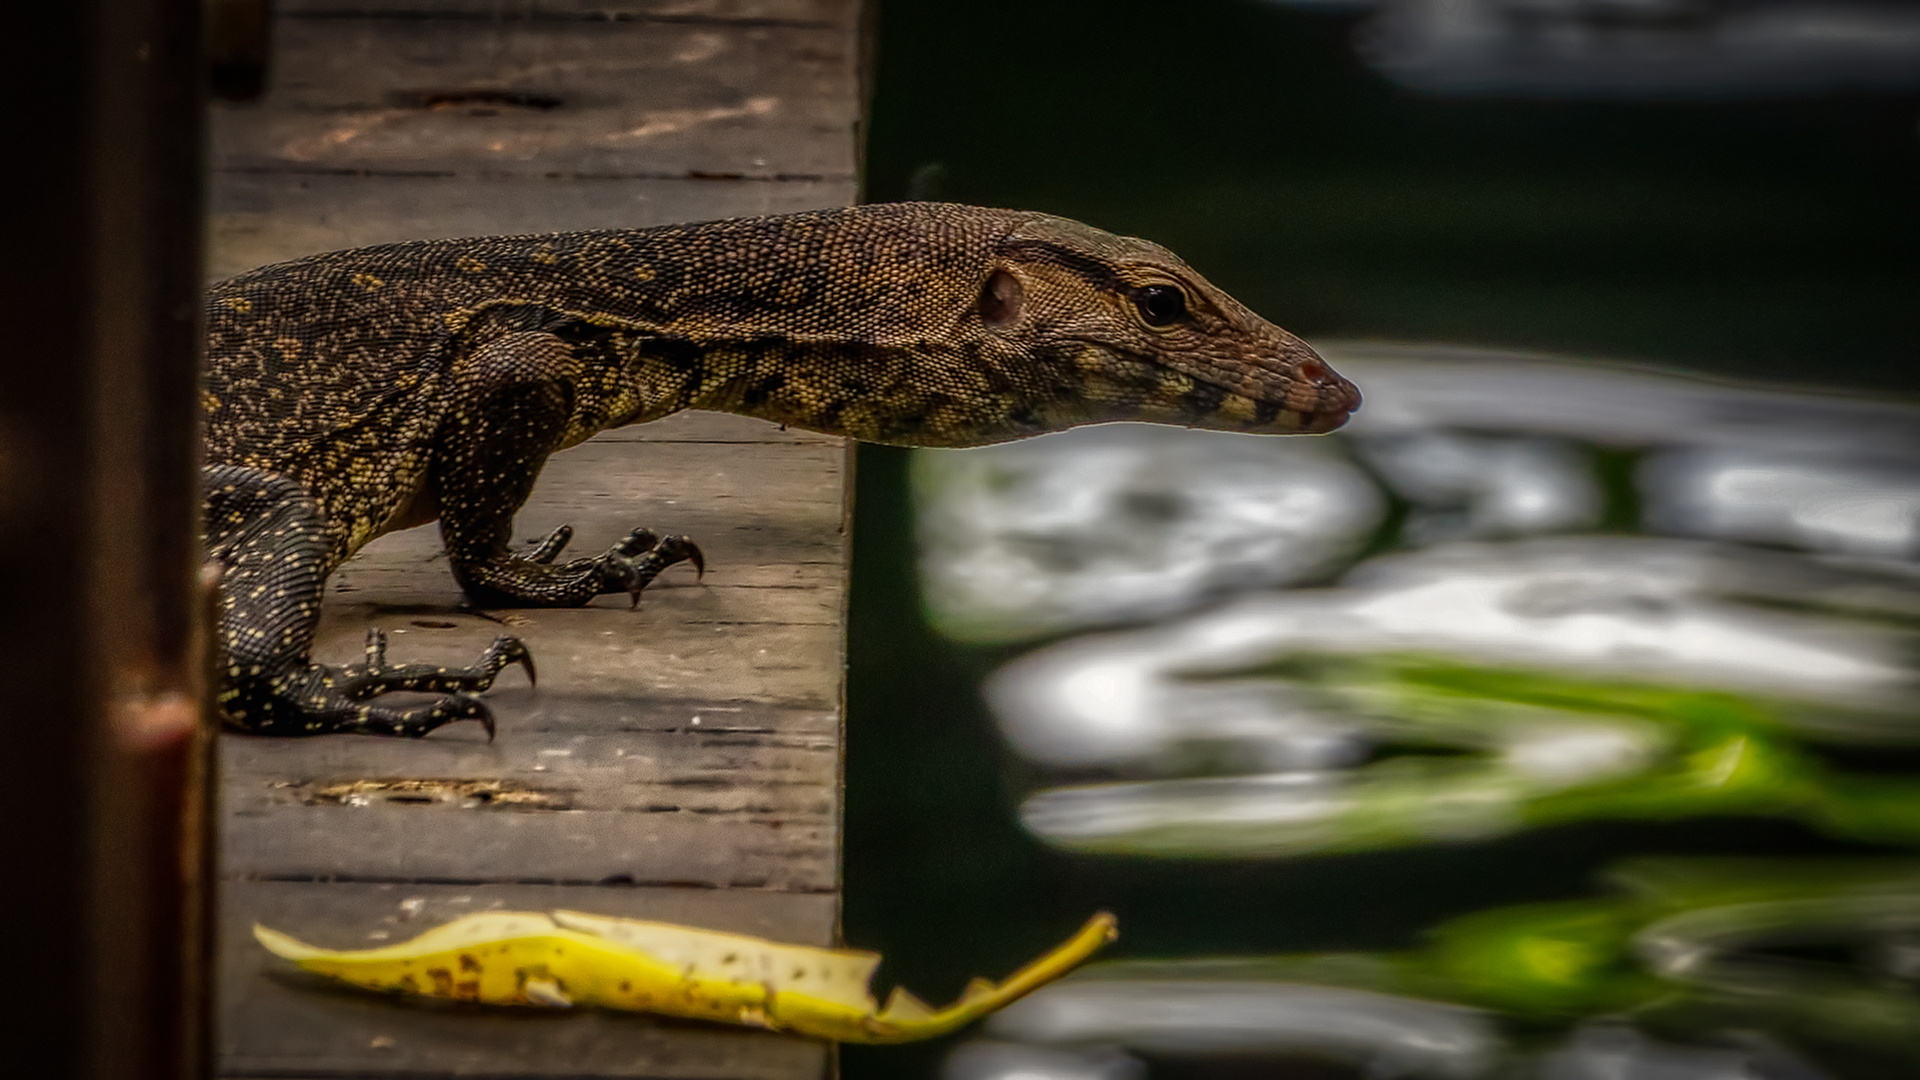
x=637, y=560
x=414, y=723
x=534, y=579
x=316, y=700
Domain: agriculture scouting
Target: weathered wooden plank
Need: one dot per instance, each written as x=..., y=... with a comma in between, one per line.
x=384, y=843
x=280, y=1022
x=799, y=13
x=264, y=217
x=577, y=755
x=621, y=123
x=550, y=98
x=598, y=790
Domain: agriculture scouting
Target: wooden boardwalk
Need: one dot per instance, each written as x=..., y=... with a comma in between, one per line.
x=679, y=762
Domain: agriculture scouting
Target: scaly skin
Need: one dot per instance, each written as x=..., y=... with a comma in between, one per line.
x=358, y=392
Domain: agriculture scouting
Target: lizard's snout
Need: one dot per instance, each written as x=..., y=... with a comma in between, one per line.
x=1340, y=399
x=1332, y=391
x=1322, y=398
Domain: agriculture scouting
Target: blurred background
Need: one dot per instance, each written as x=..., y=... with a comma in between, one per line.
x=1555, y=719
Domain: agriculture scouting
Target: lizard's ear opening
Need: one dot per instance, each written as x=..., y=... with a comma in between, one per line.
x=1001, y=299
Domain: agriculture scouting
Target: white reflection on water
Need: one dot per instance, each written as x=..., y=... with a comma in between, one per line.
x=1608, y=1051
x=1380, y=1035
x=1383, y=1035
x=1475, y=485
x=1126, y=521
x=1278, y=812
x=1637, y=607
x=1849, y=507
x=1285, y=813
x=1416, y=388
x=1645, y=48
x=1014, y=1061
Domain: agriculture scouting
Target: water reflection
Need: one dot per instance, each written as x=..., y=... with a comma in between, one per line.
x=1381, y=1034
x=1018, y=1061
x=1639, y=49
x=1695, y=614
x=1612, y=1051
x=1509, y=659
x=1464, y=486
x=1716, y=962
x=1853, y=507
x=1121, y=522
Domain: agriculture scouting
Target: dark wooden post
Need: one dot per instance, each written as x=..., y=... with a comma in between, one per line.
x=98, y=537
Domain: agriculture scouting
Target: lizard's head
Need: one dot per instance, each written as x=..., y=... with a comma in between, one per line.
x=1126, y=331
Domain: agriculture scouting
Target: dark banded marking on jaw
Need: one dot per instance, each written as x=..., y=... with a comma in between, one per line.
x=1095, y=272
x=1203, y=400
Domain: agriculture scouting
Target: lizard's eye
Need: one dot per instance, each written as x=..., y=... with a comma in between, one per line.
x=1160, y=305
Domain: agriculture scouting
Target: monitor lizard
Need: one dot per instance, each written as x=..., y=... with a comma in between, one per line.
x=354, y=393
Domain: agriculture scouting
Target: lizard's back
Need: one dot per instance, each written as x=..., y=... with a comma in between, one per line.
x=342, y=365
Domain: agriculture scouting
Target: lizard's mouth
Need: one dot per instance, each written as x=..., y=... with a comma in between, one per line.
x=1275, y=415
x=1319, y=423
x=1326, y=401
x=1312, y=406
x=1333, y=409
x=1299, y=394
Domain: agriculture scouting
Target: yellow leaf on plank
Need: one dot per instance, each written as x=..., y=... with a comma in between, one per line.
x=571, y=958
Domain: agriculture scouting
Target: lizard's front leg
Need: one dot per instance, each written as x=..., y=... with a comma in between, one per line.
x=487, y=455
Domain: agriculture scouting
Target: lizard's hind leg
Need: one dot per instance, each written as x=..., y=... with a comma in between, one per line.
x=273, y=544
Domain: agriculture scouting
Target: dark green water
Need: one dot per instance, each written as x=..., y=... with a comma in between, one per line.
x=1773, y=240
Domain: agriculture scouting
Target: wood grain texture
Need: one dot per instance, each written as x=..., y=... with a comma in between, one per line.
x=551, y=97
x=801, y=13
x=269, y=216
x=394, y=121
x=680, y=761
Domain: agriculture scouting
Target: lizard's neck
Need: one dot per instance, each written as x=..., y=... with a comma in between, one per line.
x=923, y=395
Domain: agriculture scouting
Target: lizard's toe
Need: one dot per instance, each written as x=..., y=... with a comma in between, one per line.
x=673, y=549
x=631, y=567
x=637, y=543
x=546, y=550
x=416, y=723
x=507, y=651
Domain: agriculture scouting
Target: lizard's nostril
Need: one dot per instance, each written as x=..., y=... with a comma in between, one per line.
x=1313, y=370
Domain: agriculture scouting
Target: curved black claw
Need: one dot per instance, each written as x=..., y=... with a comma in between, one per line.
x=686, y=549
x=634, y=571
x=504, y=653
